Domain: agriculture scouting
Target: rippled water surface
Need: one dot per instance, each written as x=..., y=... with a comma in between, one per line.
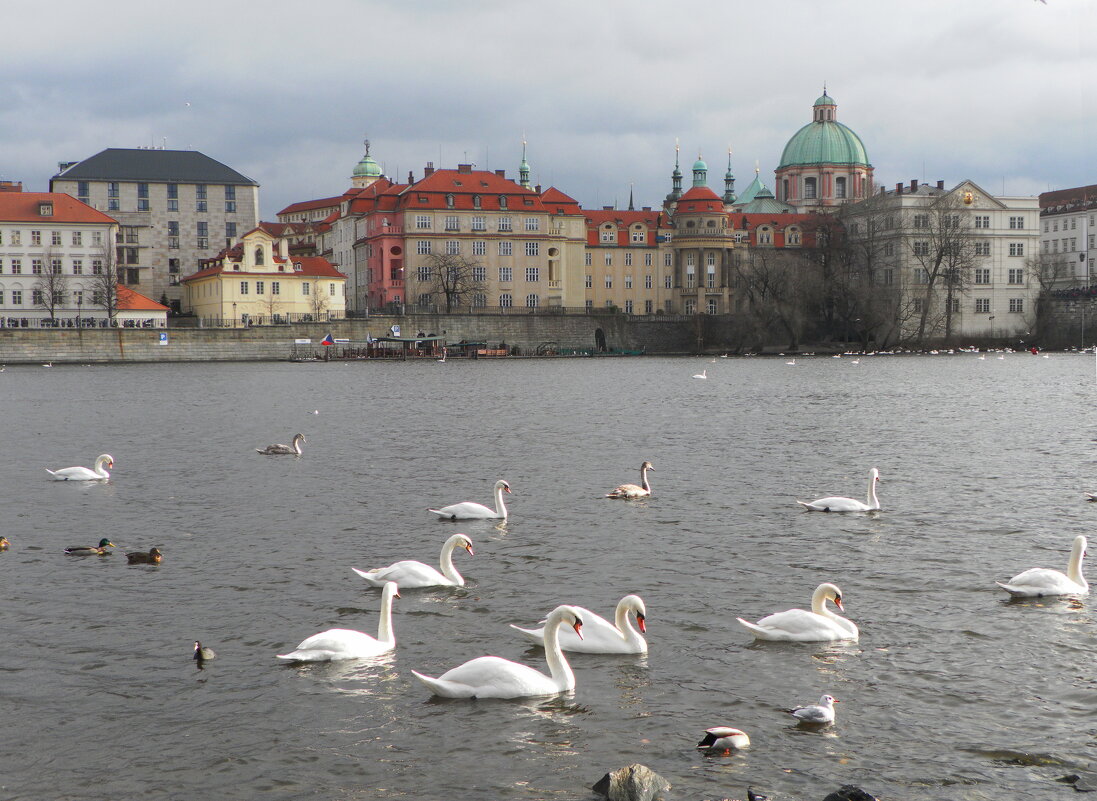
x=952, y=692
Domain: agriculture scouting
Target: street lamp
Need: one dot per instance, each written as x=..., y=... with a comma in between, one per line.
x=79, y=307
x=234, y=314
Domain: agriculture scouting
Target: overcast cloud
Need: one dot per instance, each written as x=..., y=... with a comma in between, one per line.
x=998, y=91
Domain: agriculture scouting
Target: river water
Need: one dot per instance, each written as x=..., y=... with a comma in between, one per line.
x=951, y=692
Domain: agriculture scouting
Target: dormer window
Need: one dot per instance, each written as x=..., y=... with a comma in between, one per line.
x=449, y=201
x=297, y=267
x=476, y=201
x=45, y=209
x=502, y=201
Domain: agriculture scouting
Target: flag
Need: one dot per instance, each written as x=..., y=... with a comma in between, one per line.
x=327, y=340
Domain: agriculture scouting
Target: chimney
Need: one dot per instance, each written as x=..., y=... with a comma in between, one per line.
x=537, y=189
x=940, y=184
x=607, y=208
x=646, y=208
x=913, y=185
x=501, y=173
x=428, y=170
x=11, y=186
x=898, y=189
x=464, y=169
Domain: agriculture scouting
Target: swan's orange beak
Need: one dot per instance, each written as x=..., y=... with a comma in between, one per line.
x=469, y=549
x=507, y=489
x=640, y=622
x=396, y=594
x=578, y=626
x=838, y=602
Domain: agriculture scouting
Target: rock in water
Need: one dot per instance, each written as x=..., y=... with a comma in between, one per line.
x=632, y=783
x=1082, y=783
x=850, y=793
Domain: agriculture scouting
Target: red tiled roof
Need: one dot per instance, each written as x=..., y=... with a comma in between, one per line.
x=1064, y=197
x=128, y=300
x=23, y=207
x=700, y=198
x=430, y=193
x=559, y=203
x=309, y=205
x=313, y=266
x=624, y=220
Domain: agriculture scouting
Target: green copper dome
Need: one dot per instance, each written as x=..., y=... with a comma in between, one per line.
x=700, y=165
x=824, y=142
x=825, y=99
x=367, y=168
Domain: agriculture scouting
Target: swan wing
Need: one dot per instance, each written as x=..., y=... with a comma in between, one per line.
x=628, y=491
x=800, y=625
x=74, y=474
x=600, y=636
x=491, y=677
x=836, y=504
x=464, y=511
x=1039, y=581
x=408, y=574
x=337, y=644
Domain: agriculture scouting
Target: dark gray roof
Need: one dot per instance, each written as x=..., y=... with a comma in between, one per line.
x=153, y=166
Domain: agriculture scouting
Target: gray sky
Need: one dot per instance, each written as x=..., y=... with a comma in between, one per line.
x=999, y=91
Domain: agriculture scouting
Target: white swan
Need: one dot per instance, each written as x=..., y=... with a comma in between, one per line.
x=724, y=738
x=838, y=504
x=476, y=511
x=793, y=362
x=799, y=625
x=702, y=374
x=410, y=574
x=84, y=474
x=599, y=635
x=335, y=644
x=1039, y=581
x=291, y=450
x=493, y=677
x=642, y=490
x=823, y=712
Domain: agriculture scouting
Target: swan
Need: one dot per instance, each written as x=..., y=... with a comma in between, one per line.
x=793, y=362
x=493, y=677
x=410, y=574
x=599, y=635
x=837, y=504
x=291, y=450
x=632, y=490
x=725, y=739
x=335, y=644
x=798, y=625
x=99, y=473
x=823, y=712
x=702, y=374
x=476, y=511
x=1039, y=581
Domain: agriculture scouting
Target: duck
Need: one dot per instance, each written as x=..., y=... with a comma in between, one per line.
x=839, y=504
x=724, y=739
x=98, y=473
x=289, y=450
x=1037, y=582
x=410, y=574
x=469, y=510
x=153, y=557
x=91, y=550
x=599, y=635
x=4, y=543
x=799, y=625
x=494, y=677
x=643, y=490
x=702, y=374
x=821, y=713
x=336, y=644
x=203, y=654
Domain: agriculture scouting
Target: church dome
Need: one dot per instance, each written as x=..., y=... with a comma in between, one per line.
x=824, y=141
x=367, y=168
x=700, y=165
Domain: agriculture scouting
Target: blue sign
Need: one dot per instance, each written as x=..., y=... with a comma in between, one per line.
x=163, y=337
x=396, y=330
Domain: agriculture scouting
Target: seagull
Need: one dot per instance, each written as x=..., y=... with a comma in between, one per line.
x=821, y=713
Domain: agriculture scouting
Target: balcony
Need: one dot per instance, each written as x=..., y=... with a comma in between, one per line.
x=553, y=284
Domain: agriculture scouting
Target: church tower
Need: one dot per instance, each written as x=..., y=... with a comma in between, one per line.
x=366, y=172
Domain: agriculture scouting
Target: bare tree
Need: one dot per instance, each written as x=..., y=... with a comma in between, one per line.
x=105, y=275
x=778, y=288
x=271, y=303
x=454, y=278
x=1051, y=270
x=51, y=290
x=318, y=301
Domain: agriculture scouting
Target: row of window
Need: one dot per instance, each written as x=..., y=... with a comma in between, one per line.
x=668, y=259
x=1073, y=224
x=425, y=247
x=425, y=222
x=14, y=237
x=60, y=299
x=477, y=201
x=55, y=266
x=1070, y=245
x=114, y=191
x=649, y=281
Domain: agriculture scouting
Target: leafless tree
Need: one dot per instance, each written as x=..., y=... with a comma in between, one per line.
x=1051, y=270
x=318, y=299
x=777, y=288
x=453, y=277
x=51, y=290
x=105, y=275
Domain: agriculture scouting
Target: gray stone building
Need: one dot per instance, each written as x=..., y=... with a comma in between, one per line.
x=174, y=208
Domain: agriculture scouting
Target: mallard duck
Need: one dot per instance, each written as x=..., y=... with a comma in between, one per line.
x=4, y=543
x=153, y=557
x=202, y=654
x=91, y=550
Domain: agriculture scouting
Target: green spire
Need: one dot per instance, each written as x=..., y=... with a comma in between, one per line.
x=523, y=168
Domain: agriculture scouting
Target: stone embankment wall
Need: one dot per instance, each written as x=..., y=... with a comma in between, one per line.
x=264, y=343
x=1067, y=322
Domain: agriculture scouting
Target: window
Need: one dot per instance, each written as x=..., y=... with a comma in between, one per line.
x=452, y=223
x=628, y=259
x=921, y=276
x=422, y=221
x=649, y=306
x=921, y=248
x=200, y=197
x=173, y=197
x=505, y=300
x=691, y=306
x=423, y=272
x=243, y=287
x=83, y=191
x=533, y=274
x=112, y=196
x=422, y=247
x=423, y=301
x=230, y=199
x=55, y=266
x=533, y=248
x=839, y=191
x=453, y=247
x=504, y=222
x=1016, y=275
x=77, y=239
x=230, y=231
x=17, y=297
x=639, y=236
x=609, y=281
x=982, y=305
x=919, y=305
x=503, y=204
x=305, y=288
x=479, y=248
x=479, y=273
x=982, y=221
x=1016, y=248
x=667, y=279
x=276, y=287
x=587, y=259
x=203, y=235
x=951, y=221
x=628, y=307
x=259, y=287
x=476, y=201
x=533, y=224
x=505, y=248
x=1016, y=223
x=588, y=281
x=36, y=237
x=479, y=224
x=982, y=248
x=647, y=281
x=710, y=276
x=1073, y=244
x=647, y=260
x=36, y=297
x=77, y=266
x=588, y=304
x=532, y=301
x=609, y=259
x=710, y=306
x=174, y=266
x=96, y=266
x=96, y=238
x=1016, y=305
x=982, y=275
x=331, y=290
x=505, y=274
x=131, y=235
x=479, y=300
x=668, y=259
x=142, y=197
x=36, y=266
x=809, y=188
x=628, y=282
x=55, y=237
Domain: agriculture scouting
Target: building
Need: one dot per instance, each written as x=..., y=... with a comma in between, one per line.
x=256, y=281
x=55, y=259
x=1067, y=233
x=134, y=310
x=953, y=263
x=174, y=208
x=824, y=165
x=626, y=265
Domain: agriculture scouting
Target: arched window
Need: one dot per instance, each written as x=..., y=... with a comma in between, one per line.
x=840, y=186
x=711, y=224
x=809, y=188
x=476, y=201
x=531, y=301
x=502, y=201
x=259, y=258
x=449, y=201
x=505, y=300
